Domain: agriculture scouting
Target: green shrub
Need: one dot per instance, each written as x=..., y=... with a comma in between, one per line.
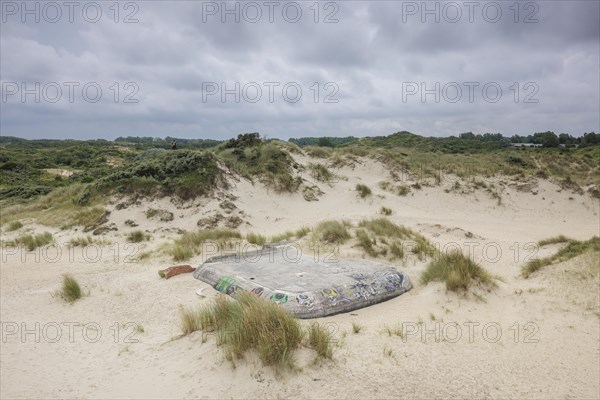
x=363, y=190
x=457, y=271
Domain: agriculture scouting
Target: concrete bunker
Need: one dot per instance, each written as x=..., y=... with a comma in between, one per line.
x=306, y=287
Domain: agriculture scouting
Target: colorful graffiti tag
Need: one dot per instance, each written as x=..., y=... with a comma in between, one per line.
x=279, y=298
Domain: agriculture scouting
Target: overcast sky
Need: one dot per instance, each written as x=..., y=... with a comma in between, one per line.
x=331, y=69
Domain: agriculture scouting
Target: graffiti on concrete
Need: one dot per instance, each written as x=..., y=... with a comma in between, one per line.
x=306, y=300
x=279, y=298
x=227, y=285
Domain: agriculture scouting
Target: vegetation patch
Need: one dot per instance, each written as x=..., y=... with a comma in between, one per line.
x=255, y=238
x=332, y=232
x=138, y=236
x=572, y=249
x=363, y=190
x=190, y=243
x=70, y=290
x=297, y=234
x=248, y=323
x=32, y=242
x=319, y=172
x=554, y=240
x=457, y=271
x=13, y=226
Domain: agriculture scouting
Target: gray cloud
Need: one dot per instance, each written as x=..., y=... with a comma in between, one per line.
x=374, y=52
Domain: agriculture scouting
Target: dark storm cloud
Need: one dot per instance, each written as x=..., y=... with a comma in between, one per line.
x=370, y=58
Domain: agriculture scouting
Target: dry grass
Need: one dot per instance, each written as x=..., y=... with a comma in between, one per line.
x=386, y=211
x=356, y=327
x=457, y=271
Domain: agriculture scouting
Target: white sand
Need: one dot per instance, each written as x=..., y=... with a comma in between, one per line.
x=548, y=346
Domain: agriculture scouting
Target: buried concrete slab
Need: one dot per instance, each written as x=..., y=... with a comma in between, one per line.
x=305, y=287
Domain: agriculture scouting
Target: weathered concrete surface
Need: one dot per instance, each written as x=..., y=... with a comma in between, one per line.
x=306, y=287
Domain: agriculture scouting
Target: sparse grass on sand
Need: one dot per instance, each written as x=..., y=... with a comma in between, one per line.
x=356, y=327
x=13, y=226
x=363, y=190
x=298, y=234
x=332, y=232
x=573, y=248
x=57, y=209
x=70, y=290
x=249, y=323
x=137, y=236
x=554, y=240
x=255, y=238
x=190, y=243
x=457, y=271
x=32, y=242
x=320, y=339
x=319, y=172
x=385, y=229
x=86, y=241
x=386, y=211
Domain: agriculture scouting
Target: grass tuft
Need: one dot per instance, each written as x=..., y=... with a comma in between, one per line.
x=319, y=338
x=255, y=238
x=32, y=242
x=356, y=327
x=71, y=290
x=457, y=271
x=250, y=323
x=190, y=243
x=332, y=232
x=137, y=237
x=386, y=211
x=363, y=190
x=13, y=226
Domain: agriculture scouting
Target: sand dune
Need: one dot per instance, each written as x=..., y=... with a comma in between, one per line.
x=534, y=338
